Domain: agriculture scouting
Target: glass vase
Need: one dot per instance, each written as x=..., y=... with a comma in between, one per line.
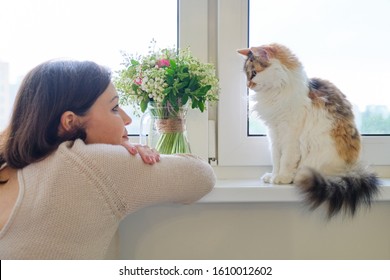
x=164, y=128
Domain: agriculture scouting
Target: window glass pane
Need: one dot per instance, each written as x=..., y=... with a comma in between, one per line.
x=345, y=42
x=34, y=31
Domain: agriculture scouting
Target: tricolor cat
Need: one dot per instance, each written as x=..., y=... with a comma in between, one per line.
x=314, y=140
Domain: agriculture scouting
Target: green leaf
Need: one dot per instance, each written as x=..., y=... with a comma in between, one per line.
x=205, y=89
x=134, y=62
x=184, y=69
x=173, y=101
x=182, y=76
x=181, y=85
x=201, y=106
x=144, y=105
x=134, y=87
x=170, y=72
x=202, y=91
x=170, y=80
x=194, y=104
x=172, y=63
x=174, y=91
x=193, y=83
x=167, y=91
x=184, y=99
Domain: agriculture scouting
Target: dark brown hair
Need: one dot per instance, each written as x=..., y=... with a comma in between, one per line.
x=47, y=91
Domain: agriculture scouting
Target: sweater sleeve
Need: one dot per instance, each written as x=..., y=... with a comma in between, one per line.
x=128, y=184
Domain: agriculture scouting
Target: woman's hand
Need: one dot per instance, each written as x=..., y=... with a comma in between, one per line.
x=148, y=155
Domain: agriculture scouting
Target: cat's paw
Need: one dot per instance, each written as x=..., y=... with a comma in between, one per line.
x=283, y=179
x=277, y=179
x=267, y=178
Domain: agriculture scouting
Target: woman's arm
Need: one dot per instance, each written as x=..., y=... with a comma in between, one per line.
x=131, y=184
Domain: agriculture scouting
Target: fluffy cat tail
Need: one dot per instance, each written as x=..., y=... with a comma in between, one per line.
x=339, y=193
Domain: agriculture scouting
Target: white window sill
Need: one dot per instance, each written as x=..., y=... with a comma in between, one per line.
x=256, y=191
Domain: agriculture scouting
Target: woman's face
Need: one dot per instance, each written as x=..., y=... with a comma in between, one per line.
x=105, y=121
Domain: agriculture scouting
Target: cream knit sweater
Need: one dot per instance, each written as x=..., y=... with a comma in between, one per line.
x=70, y=204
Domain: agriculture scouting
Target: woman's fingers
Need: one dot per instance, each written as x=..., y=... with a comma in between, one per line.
x=148, y=155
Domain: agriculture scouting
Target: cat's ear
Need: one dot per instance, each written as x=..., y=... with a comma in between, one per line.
x=260, y=52
x=244, y=52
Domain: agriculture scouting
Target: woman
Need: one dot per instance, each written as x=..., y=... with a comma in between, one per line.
x=66, y=176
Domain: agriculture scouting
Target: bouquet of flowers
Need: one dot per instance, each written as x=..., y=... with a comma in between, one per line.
x=166, y=76
x=170, y=79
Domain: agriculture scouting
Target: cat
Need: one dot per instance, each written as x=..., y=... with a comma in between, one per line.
x=313, y=136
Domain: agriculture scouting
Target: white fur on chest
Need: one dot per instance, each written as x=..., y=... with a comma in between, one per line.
x=298, y=131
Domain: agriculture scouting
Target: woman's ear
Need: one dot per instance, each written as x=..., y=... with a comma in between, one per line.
x=69, y=122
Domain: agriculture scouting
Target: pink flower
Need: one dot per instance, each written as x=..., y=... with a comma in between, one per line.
x=138, y=81
x=163, y=63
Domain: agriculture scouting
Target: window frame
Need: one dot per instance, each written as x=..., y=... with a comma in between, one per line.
x=235, y=148
x=193, y=32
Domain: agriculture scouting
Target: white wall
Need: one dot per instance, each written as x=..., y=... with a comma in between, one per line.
x=253, y=231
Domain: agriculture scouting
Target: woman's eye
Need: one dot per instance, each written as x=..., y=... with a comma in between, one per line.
x=116, y=108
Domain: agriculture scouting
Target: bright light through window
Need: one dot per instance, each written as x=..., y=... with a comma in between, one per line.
x=346, y=42
x=34, y=31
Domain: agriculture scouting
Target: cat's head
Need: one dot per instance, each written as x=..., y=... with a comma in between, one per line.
x=268, y=64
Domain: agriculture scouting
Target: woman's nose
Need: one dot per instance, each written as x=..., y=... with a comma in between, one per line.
x=125, y=117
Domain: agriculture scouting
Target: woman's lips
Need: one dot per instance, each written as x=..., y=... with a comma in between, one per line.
x=125, y=137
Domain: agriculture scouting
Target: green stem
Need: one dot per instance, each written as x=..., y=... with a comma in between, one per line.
x=172, y=143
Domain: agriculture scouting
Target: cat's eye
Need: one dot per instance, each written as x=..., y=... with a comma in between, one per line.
x=253, y=74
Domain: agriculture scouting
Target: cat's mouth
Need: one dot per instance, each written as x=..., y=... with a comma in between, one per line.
x=251, y=84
